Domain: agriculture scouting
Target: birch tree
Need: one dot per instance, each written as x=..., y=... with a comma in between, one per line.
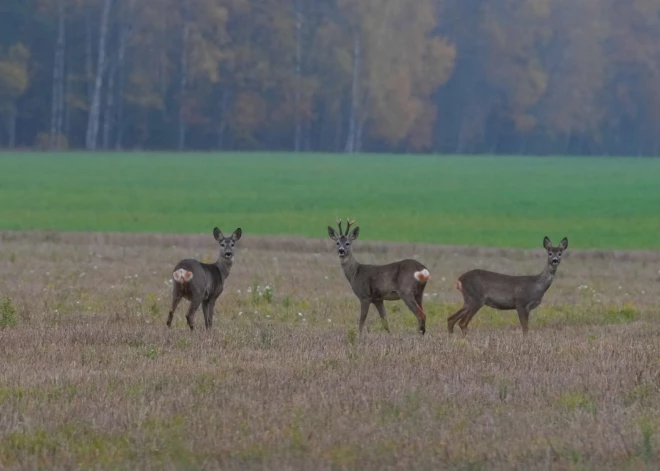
x=95, y=108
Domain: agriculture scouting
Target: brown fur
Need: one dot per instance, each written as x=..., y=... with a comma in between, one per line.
x=373, y=284
x=505, y=292
x=205, y=280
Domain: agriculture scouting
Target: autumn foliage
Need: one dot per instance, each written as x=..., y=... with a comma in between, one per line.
x=464, y=76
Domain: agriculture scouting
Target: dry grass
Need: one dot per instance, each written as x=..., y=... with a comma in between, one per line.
x=91, y=377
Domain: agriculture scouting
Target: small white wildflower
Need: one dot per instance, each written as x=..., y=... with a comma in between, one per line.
x=267, y=316
x=77, y=302
x=329, y=320
x=136, y=275
x=300, y=314
x=48, y=273
x=240, y=313
x=57, y=311
x=96, y=268
x=435, y=294
x=139, y=300
x=304, y=320
x=238, y=291
x=249, y=290
x=82, y=274
x=442, y=279
x=619, y=287
x=326, y=277
x=643, y=292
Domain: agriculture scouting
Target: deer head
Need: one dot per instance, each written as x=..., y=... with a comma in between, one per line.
x=227, y=243
x=554, y=253
x=344, y=240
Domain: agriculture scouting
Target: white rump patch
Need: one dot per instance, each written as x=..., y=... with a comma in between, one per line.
x=423, y=275
x=182, y=276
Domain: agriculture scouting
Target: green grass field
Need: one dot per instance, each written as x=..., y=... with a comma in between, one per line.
x=488, y=201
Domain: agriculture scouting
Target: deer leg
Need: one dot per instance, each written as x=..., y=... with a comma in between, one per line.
x=382, y=313
x=419, y=298
x=211, y=308
x=467, y=317
x=416, y=309
x=176, y=298
x=451, y=320
x=194, y=305
x=523, y=316
x=364, y=310
x=205, y=310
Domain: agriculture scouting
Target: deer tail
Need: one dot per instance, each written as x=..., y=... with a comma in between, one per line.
x=182, y=276
x=459, y=285
x=422, y=276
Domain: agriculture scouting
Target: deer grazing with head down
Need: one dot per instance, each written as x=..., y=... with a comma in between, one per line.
x=505, y=292
x=373, y=284
x=202, y=283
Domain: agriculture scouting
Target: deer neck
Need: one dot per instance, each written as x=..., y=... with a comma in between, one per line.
x=350, y=267
x=224, y=266
x=547, y=276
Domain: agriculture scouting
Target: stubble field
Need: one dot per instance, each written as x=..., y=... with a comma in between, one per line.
x=92, y=379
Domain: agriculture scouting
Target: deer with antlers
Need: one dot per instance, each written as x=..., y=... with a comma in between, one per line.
x=373, y=284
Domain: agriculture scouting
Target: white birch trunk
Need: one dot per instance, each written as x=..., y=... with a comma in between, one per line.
x=95, y=109
x=298, y=72
x=355, y=97
x=57, y=106
x=183, y=85
x=109, y=116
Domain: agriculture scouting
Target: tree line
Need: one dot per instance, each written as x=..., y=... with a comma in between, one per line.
x=446, y=76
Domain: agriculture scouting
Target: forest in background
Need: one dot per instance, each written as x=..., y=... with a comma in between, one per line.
x=443, y=76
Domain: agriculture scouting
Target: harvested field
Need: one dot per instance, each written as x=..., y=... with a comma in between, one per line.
x=92, y=379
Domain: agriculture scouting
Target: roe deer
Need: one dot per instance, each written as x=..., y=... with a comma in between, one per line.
x=373, y=284
x=505, y=292
x=202, y=283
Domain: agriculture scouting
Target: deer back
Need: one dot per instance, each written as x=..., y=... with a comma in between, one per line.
x=384, y=281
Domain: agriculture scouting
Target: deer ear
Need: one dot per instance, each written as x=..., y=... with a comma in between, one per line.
x=332, y=233
x=354, y=233
x=237, y=234
x=217, y=233
x=546, y=243
x=564, y=243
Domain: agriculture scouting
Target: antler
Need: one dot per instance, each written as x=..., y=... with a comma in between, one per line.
x=338, y=221
x=348, y=224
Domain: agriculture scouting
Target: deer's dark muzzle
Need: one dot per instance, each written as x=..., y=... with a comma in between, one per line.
x=341, y=252
x=555, y=261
